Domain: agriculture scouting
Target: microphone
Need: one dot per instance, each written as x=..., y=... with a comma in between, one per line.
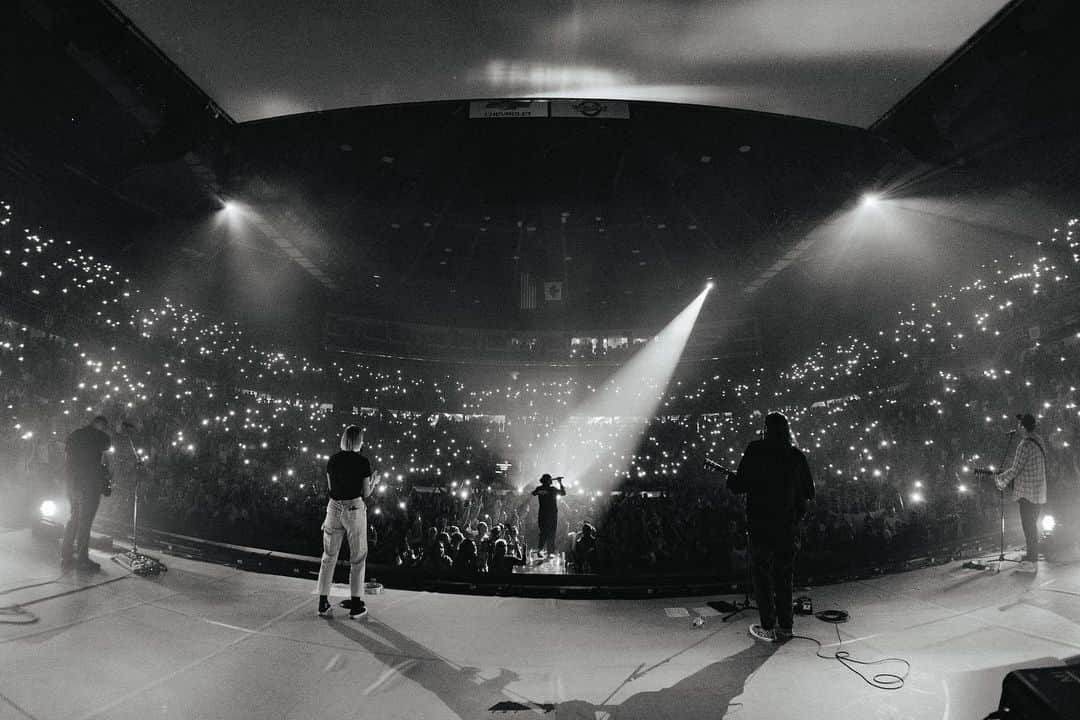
x=1011, y=432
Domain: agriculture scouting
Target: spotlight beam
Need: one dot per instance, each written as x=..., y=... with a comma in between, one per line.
x=632, y=394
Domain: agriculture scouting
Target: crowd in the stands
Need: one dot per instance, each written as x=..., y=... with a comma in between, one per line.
x=229, y=438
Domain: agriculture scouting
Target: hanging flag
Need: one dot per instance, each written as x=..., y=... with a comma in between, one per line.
x=528, y=292
x=553, y=291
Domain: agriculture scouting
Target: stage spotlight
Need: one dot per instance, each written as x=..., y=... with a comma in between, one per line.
x=870, y=199
x=48, y=509
x=634, y=392
x=1048, y=523
x=709, y=283
x=916, y=497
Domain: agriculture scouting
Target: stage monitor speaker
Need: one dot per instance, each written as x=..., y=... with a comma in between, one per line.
x=1051, y=693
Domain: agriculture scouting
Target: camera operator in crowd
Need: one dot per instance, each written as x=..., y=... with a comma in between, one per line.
x=548, y=516
x=87, y=480
x=1028, y=479
x=776, y=478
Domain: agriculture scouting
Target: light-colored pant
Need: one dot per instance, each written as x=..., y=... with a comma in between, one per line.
x=344, y=518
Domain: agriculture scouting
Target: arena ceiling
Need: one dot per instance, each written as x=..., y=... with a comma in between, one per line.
x=422, y=212
x=843, y=61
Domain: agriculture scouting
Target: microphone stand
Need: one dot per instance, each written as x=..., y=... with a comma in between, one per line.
x=739, y=607
x=133, y=560
x=734, y=608
x=995, y=566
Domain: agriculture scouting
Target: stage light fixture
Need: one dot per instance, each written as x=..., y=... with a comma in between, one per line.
x=1048, y=523
x=48, y=509
x=870, y=199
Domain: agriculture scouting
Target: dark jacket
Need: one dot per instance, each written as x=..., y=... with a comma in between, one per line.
x=776, y=478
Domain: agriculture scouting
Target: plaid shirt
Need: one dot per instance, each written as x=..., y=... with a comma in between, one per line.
x=1029, y=471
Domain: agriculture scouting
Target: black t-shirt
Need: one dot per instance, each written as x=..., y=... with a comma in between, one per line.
x=84, y=448
x=547, y=495
x=347, y=471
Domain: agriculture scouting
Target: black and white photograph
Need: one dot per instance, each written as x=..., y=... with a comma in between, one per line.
x=552, y=360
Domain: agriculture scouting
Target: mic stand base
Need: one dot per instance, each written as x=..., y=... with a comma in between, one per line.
x=993, y=567
x=138, y=564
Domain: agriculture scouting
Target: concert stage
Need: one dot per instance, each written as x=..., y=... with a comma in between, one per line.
x=210, y=641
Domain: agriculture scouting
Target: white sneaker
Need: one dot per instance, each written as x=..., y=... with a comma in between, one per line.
x=761, y=633
x=1026, y=566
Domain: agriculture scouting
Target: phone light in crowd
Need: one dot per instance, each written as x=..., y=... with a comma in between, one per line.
x=48, y=509
x=378, y=511
x=918, y=483
x=1048, y=523
x=401, y=505
x=916, y=497
x=963, y=488
x=382, y=489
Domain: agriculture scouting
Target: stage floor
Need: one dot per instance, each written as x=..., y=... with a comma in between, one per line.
x=207, y=641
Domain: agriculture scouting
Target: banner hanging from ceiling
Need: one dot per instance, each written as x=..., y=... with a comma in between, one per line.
x=484, y=109
x=601, y=109
x=598, y=109
x=553, y=291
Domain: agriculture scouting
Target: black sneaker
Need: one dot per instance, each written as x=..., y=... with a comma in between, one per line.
x=357, y=613
x=87, y=565
x=325, y=608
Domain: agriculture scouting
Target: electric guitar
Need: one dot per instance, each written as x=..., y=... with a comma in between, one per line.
x=713, y=465
x=991, y=473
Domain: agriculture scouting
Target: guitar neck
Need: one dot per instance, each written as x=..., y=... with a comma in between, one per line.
x=713, y=465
